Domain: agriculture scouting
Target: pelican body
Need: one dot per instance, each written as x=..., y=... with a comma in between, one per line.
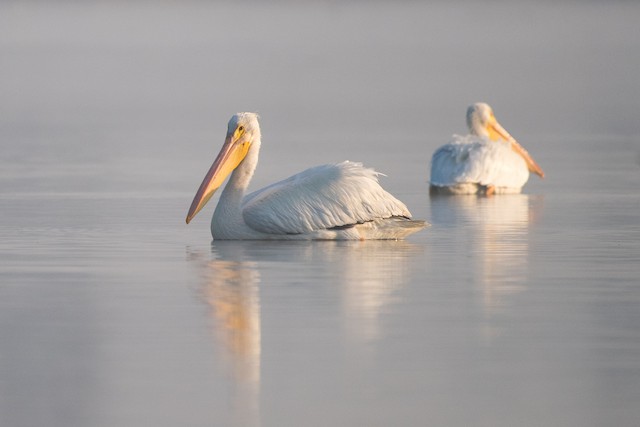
x=340, y=201
x=487, y=161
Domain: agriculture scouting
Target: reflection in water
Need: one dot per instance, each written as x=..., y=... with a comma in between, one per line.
x=366, y=276
x=369, y=274
x=230, y=288
x=497, y=229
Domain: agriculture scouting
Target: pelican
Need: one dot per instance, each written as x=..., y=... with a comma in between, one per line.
x=340, y=201
x=487, y=161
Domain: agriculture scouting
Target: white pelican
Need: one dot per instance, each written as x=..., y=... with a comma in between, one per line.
x=487, y=161
x=330, y=202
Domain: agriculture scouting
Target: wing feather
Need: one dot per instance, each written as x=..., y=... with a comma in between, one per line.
x=471, y=159
x=319, y=198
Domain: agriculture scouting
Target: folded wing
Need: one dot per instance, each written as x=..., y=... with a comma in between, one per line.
x=319, y=198
x=471, y=159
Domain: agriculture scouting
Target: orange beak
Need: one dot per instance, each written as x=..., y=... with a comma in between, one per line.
x=234, y=150
x=496, y=131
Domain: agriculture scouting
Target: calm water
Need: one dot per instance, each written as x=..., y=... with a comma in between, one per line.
x=514, y=310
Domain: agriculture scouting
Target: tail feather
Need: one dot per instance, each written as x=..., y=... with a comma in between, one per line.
x=394, y=228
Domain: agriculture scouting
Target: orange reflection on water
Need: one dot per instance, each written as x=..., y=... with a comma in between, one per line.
x=230, y=288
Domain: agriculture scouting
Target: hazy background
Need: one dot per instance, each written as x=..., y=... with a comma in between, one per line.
x=149, y=86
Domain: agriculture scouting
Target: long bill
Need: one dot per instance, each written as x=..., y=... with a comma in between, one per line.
x=496, y=129
x=232, y=153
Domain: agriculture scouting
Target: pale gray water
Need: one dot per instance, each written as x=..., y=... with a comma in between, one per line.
x=516, y=310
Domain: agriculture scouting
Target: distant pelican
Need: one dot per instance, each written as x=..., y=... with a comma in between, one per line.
x=330, y=202
x=487, y=161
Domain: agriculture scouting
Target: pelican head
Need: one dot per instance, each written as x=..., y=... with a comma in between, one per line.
x=482, y=122
x=243, y=132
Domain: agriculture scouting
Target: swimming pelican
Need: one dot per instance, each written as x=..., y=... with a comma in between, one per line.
x=487, y=161
x=330, y=202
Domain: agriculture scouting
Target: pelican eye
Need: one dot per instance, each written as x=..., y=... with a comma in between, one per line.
x=239, y=132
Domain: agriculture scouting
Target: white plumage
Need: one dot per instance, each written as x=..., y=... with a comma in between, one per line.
x=321, y=197
x=335, y=201
x=480, y=163
x=488, y=160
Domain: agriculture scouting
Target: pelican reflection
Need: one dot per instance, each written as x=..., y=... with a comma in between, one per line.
x=496, y=229
x=366, y=275
x=363, y=278
x=230, y=288
x=370, y=275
